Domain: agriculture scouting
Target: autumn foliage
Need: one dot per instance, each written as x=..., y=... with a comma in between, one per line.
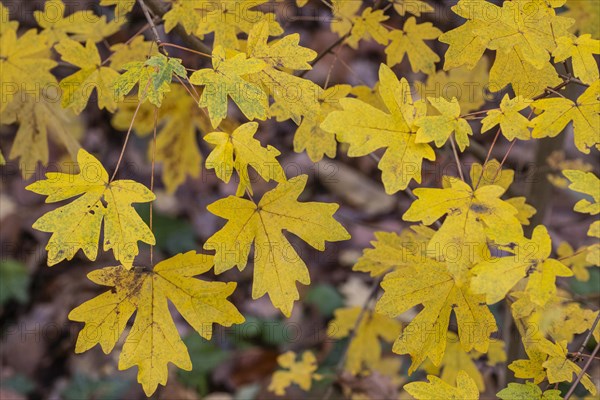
x=469, y=246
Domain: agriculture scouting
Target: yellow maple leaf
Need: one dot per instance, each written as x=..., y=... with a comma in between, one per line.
x=277, y=266
x=39, y=116
x=300, y=372
x=309, y=136
x=586, y=183
x=184, y=12
x=558, y=367
x=368, y=26
x=367, y=129
x=225, y=18
x=576, y=260
x=295, y=97
x=476, y=214
x=581, y=51
x=410, y=40
x=558, y=112
x=239, y=150
x=364, y=350
x=225, y=79
x=77, y=225
x=465, y=388
x=153, y=341
x=25, y=63
x=531, y=368
x=81, y=25
x=431, y=284
x=77, y=87
x=526, y=81
x=512, y=123
x=522, y=37
x=438, y=128
x=496, y=277
x=344, y=13
x=493, y=174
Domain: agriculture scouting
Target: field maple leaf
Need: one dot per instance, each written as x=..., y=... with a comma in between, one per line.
x=277, y=266
x=522, y=36
x=581, y=51
x=77, y=225
x=410, y=40
x=364, y=350
x=557, y=112
x=438, y=128
x=496, y=277
x=431, y=284
x=300, y=372
x=527, y=390
x=366, y=128
x=39, y=117
x=465, y=388
x=228, y=17
x=226, y=79
x=25, y=64
x=153, y=341
x=294, y=96
x=369, y=25
x=514, y=125
x=238, y=151
x=310, y=136
x=153, y=76
x=81, y=25
x=558, y=367
x=77, y=87
x=475, y=214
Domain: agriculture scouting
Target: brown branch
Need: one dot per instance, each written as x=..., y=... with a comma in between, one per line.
x=582, y=373
x=156, y=6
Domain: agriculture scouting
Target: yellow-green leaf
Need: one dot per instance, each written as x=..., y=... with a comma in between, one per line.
x=226, y=79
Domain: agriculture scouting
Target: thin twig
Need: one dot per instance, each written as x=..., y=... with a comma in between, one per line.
x=458, y=164
x=164, y=44
x=152, y=178
x=112, y=178
x=332, y=46
x=151, y=22
x=582, y=372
